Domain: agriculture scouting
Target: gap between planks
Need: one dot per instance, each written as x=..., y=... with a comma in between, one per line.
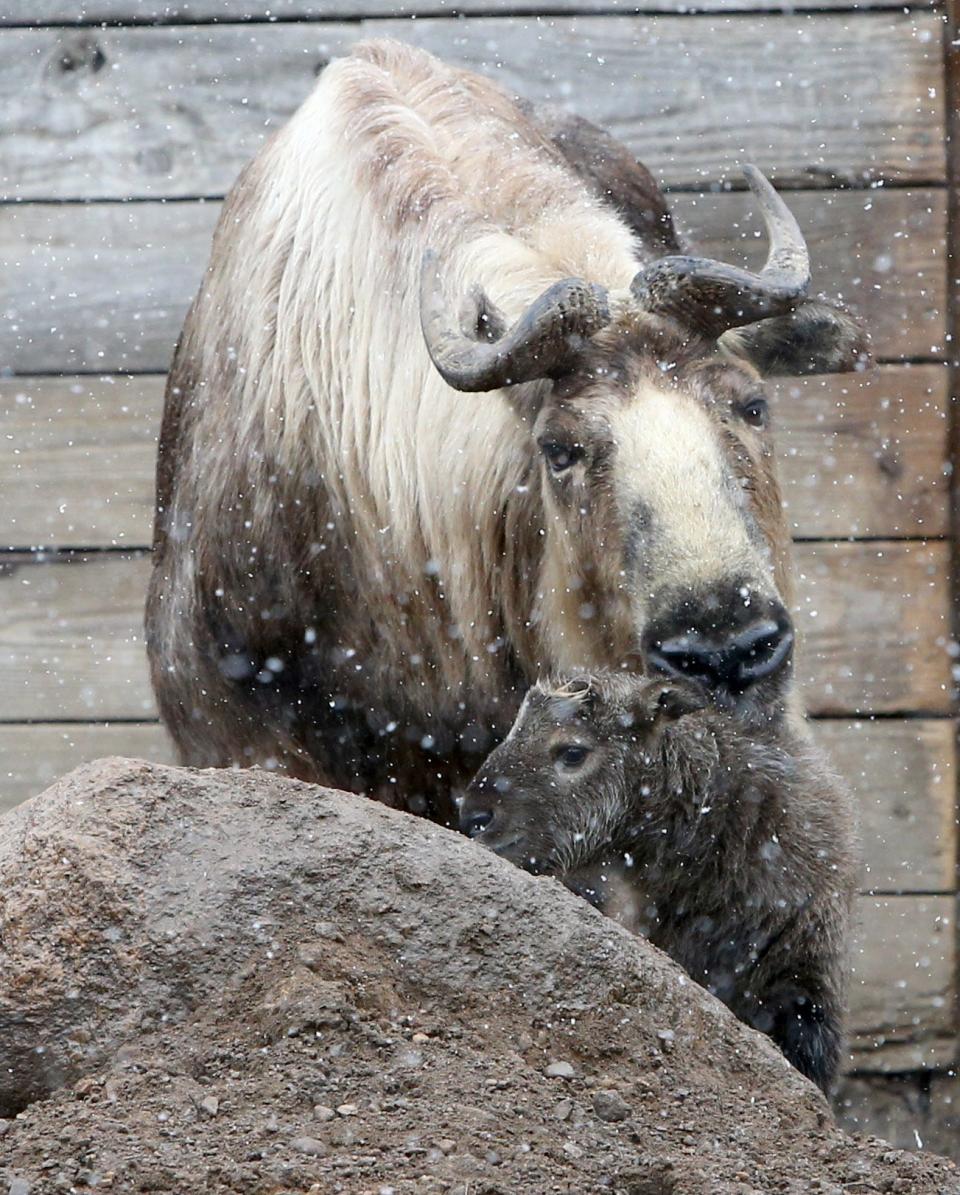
x=729, y=187
x=34, y=14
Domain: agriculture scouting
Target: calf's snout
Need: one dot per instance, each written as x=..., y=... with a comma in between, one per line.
x=478, y=806
x=474, y=821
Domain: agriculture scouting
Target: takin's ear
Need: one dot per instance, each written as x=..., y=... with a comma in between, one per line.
x=817, y=337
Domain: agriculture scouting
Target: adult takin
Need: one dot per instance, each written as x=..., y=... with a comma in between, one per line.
x=734, y=852
x=452, y=409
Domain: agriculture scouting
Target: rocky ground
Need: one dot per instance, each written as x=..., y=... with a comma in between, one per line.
x=230, y=982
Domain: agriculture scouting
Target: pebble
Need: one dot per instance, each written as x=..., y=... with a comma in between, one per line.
x=210, y=1105
x=419, y=1037
x=18, y=1186
x=563, y=1109
x=309, y=1145
x=560, y=1070
x=5, y=1126
x=347, y=1109
x=446, y=1145
x=609, y=1106
x=322, y=1112
x=330, y=931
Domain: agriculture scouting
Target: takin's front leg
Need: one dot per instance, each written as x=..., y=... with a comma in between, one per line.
x=809, y=1031
x=795, y=993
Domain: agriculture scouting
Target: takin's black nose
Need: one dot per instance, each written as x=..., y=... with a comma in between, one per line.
x=731, y=661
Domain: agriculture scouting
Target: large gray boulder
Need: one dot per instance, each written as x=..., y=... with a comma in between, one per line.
x=228, y=981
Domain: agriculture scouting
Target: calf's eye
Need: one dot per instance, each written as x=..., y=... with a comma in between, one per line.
x=571, y=756
x=561, y=456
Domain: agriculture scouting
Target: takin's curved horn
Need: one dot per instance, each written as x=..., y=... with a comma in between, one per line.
x=711, y=297
x=543, y=343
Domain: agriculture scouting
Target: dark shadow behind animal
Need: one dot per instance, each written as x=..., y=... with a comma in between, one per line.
x=734, y=854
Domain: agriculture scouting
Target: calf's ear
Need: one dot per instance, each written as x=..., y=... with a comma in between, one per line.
x=657, y=702
x=816, y=337
x=676, y=700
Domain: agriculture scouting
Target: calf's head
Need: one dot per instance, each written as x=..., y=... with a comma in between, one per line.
x=576, y=770
x=666, y=541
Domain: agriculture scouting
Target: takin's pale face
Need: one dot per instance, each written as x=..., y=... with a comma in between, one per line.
x=666, y=541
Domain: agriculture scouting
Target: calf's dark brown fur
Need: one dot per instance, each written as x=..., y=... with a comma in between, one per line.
x=736, y=855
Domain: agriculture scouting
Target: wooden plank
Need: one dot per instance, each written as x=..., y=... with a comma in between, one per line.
x=143, y=112
x=893, y=1107
x=910, y=1111
x=865, y=454
x=77, y=459
x=874, y=625
x=33, y=757
x=903, y=775
x=100, y=288
x=860, y=455
x=874, y=617
x=165, y=12
x=902, y=989
x=71, y=639
x=104, y=287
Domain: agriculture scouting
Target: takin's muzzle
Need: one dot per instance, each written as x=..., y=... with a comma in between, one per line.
x=728, y=646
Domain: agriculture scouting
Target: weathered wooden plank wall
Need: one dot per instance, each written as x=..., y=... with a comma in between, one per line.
x=167, y=98
x=116, y=146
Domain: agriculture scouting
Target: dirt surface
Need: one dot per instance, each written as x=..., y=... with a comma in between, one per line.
x=215, y=981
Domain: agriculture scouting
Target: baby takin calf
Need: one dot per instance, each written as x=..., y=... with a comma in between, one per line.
x=734, y=852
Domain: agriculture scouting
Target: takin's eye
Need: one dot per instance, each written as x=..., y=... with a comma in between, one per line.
x=754, y=410
x=561, y=456
x=570, y=756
